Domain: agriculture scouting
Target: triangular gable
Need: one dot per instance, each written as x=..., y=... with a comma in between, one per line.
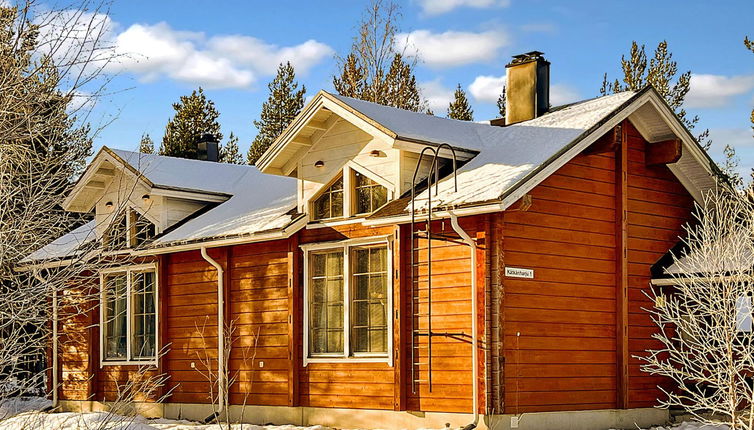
x=319, y=116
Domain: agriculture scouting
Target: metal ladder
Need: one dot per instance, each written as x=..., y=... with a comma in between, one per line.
x=416, y=234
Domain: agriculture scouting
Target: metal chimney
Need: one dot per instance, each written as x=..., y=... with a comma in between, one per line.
x=528, y=87
x=207, y=148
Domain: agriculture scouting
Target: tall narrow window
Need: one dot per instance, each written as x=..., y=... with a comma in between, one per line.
x=115, y=316
x=129, y=315
x=129, y=229
x=369, y=194
x=330, y=203
x=144, y=315
x=117, y=234
x=326, y=302
x=369, y=300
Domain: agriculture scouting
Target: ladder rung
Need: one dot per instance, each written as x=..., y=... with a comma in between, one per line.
x=421, y=380
x=420, y=363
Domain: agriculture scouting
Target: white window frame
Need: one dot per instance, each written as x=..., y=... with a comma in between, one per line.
x=346, y=355
x=127, y=210
x=129, y=315
x=349, y=191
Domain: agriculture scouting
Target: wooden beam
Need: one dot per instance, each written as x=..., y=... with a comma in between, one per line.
x=97, y=185
x=302, y=141
x=295, y=313
x=399, y=352
x=621, y=270
x=318, y=125
x=609, y=142
x=665, y=152
x=105, y=171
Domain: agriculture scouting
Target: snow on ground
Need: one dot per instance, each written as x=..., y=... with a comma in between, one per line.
x=16, y=405
x=690, y=426
x=105, y=421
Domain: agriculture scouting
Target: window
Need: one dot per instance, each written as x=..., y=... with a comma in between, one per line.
x=130, y=229
x=369, y=195
x=348, y=292
x=330, y=203
x=129, y=315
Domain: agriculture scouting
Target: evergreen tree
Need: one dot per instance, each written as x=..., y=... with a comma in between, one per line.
x=501, y=103
x=195, y=115
x=35, y=111
x=459, y=108
x=662, y=73
x=373, y=70
x=230, y=153
x=283, y=104
x=146, y=145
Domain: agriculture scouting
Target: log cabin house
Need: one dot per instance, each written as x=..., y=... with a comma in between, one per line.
x=394, y=269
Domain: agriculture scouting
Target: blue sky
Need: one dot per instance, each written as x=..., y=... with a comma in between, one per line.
x=232, y=48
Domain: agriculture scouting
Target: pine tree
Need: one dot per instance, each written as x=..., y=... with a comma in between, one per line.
x=230, y=153
x=373, y=70
x=195, y=115
x=501, y=103
x=459, y=108
x=146, y=145
x=662, y=73
x=352, y=80
x=35, y=110
x=283, y=104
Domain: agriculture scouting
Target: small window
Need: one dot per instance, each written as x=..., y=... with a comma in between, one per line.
x=743, y=314
x=330, y=203
x=129, y=231
x=142, y=230
x=369, y=195
x=129, y=315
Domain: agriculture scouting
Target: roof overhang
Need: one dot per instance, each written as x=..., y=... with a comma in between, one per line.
x=100, y=172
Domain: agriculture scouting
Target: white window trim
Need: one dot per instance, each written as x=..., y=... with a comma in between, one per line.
x=349, y=212
x=346, y=356
x=128, y=269
x=130, y=207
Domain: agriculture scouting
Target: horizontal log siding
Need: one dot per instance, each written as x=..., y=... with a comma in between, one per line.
x=259, y=308
x=451, y=313
x=564, y=358
x=658, y=207
x=345, y=385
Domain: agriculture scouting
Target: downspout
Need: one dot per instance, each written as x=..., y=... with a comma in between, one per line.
x=54, y=340
x=474, y=336
x=220, y=335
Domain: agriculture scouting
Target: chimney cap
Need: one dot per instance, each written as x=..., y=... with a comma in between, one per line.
x=208, y=137
x=528, y=57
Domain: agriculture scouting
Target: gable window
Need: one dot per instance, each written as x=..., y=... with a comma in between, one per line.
x=348, y=292
x=128, y=315
x=130, y=229
x=369, y=195
x=330, y=203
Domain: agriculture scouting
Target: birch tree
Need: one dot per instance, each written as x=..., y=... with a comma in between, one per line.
x=704, y=319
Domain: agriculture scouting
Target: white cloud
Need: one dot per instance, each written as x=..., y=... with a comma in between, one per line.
x=710, y=91
x=561, y=94
x=224, y=61
x=438, y=97
x=739, y=138
x=437, y=7
x=488, y=89
x=451, y=48
x=265, y=58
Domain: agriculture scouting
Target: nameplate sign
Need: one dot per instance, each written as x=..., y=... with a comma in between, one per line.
x=517, y=272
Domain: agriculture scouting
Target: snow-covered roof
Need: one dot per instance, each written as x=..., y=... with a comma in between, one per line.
x=184, y=174
x=732, y=253
x=67, y=245
x=508, y=154
x=258, y=202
